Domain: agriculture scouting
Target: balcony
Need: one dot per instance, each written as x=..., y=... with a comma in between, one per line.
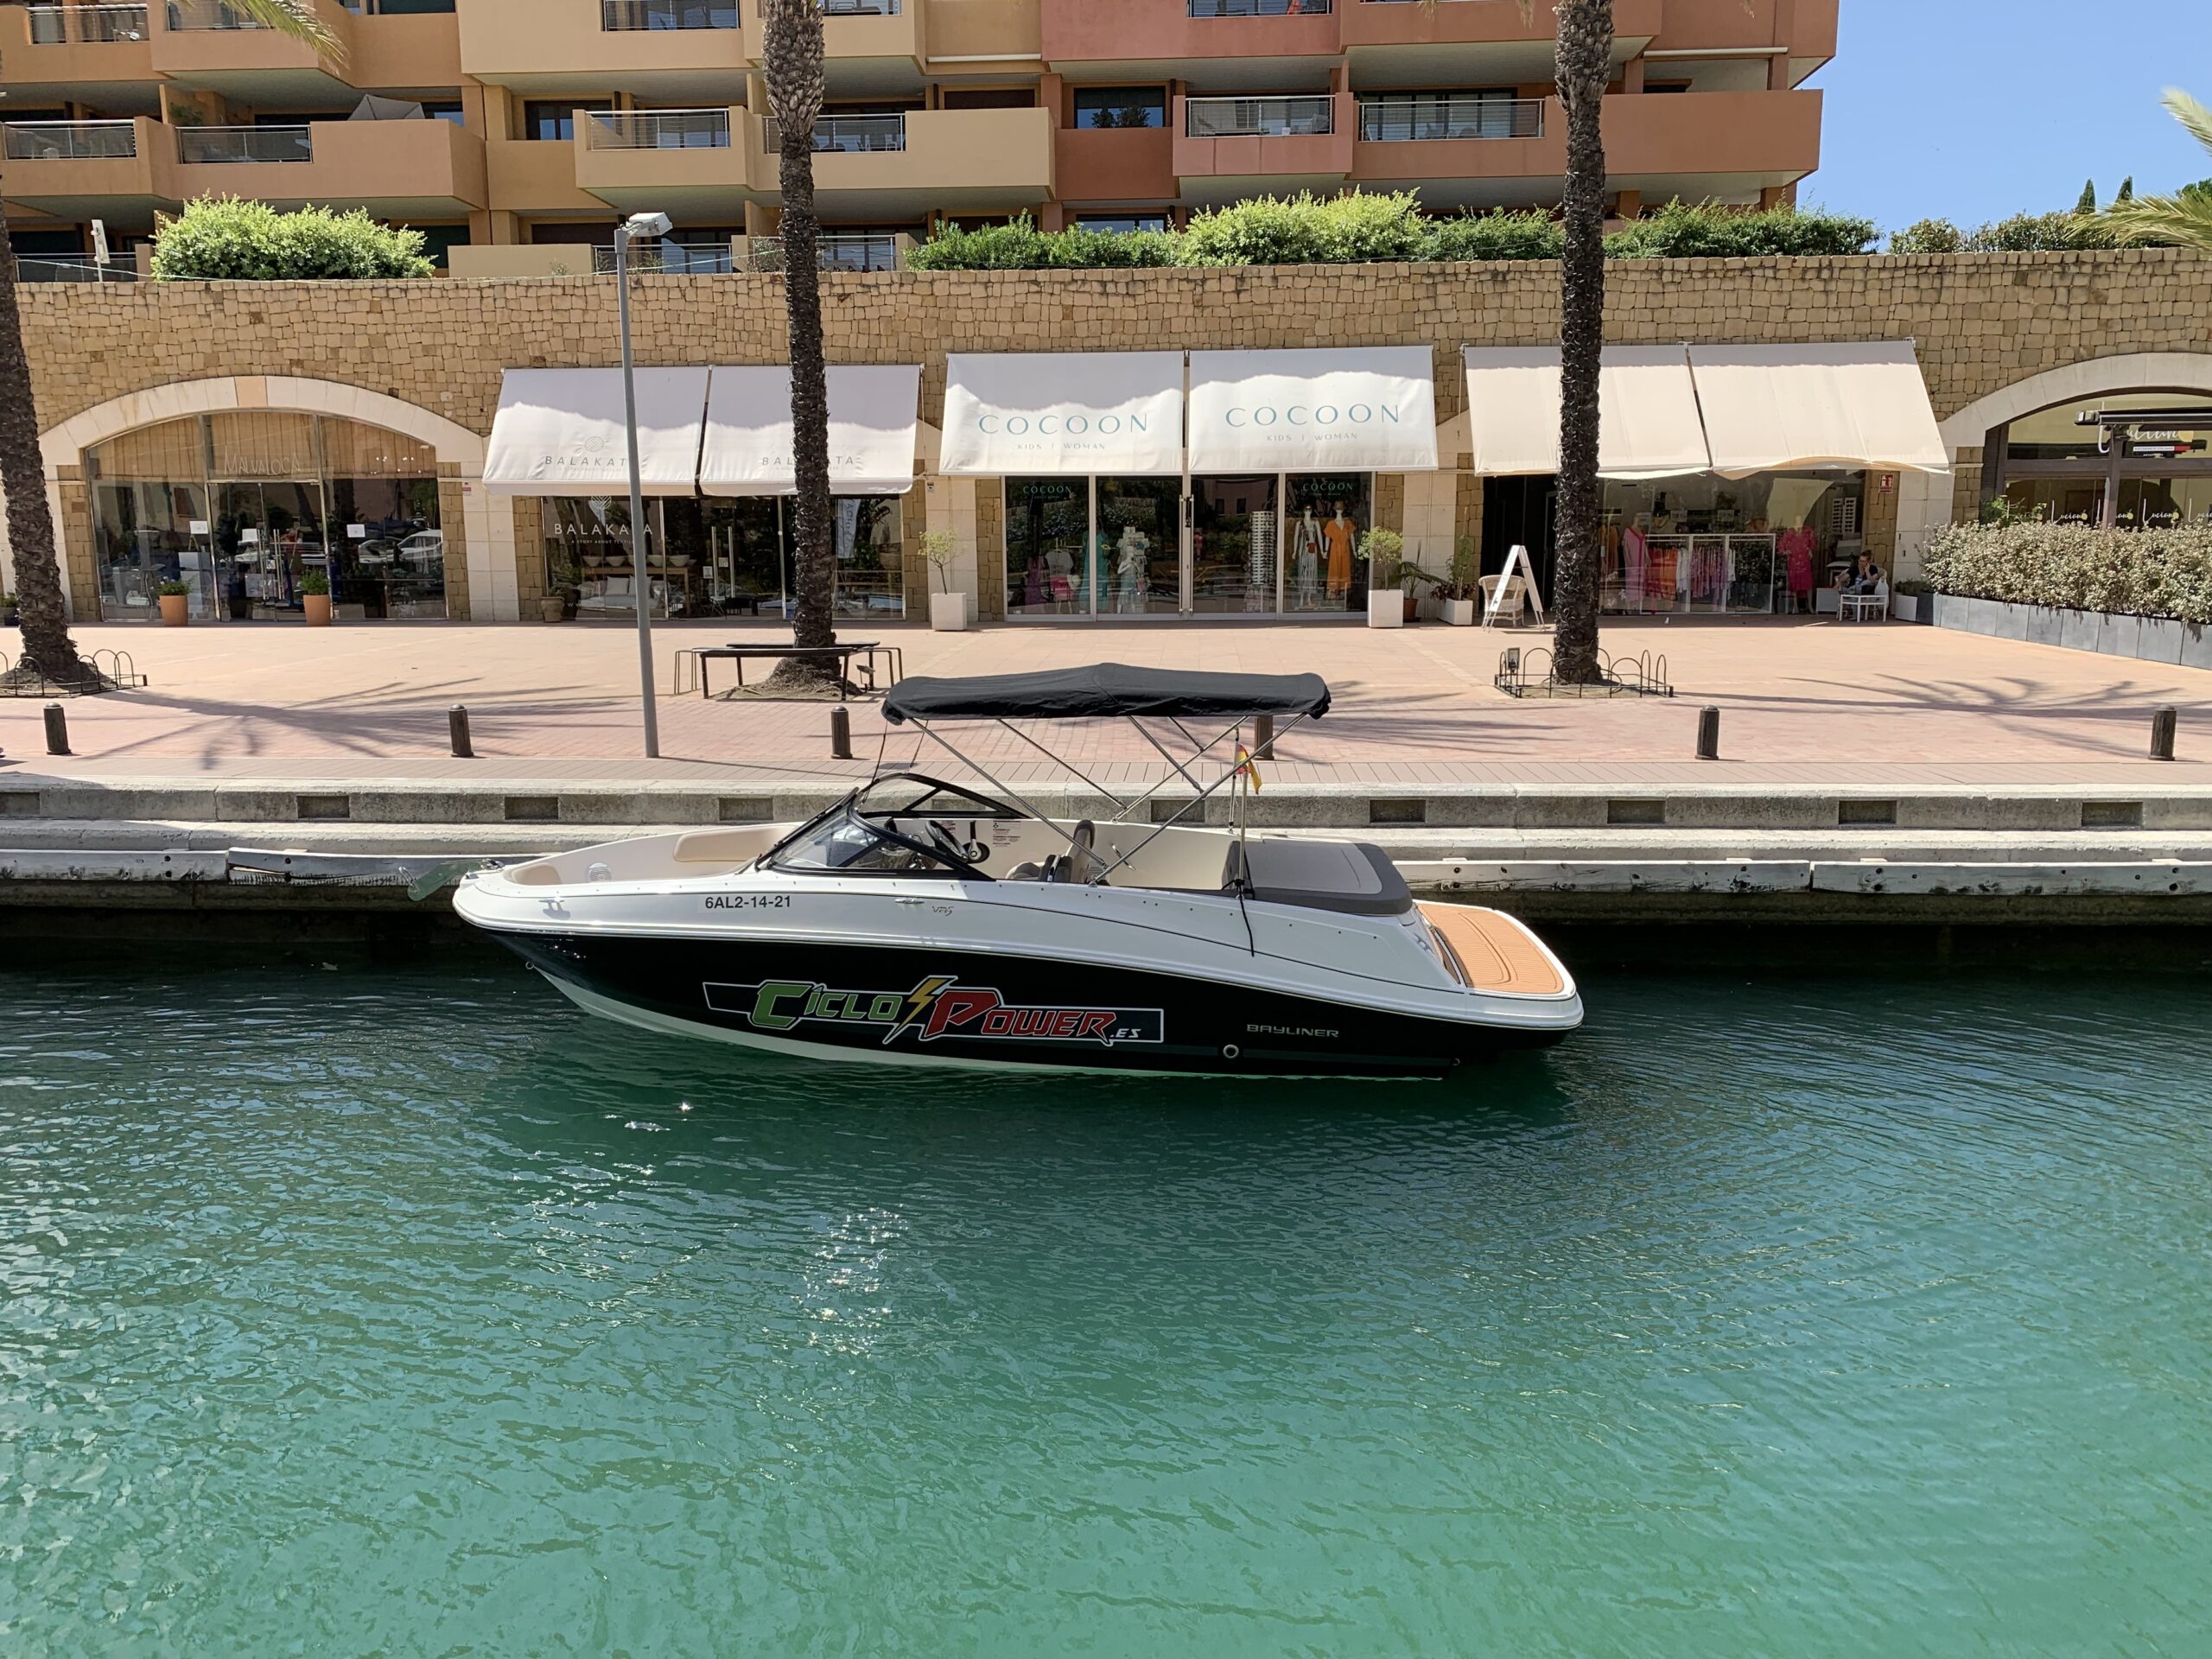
x=395, y=169
x=1225, y=147
x=873, y=48
x=1425, y=117
x=1218, y=44
x=1472, y=42
x=212, y=46
x=691, y=163
x=896, y=167
x=1721, y=146
x=120, y=171
x=1114, y=164
x=100, y=54
x=834, y=250
x=671, y=51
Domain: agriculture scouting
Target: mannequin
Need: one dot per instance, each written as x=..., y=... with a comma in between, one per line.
x=1340, y=535
x=1306, y=558
x=1130, y=568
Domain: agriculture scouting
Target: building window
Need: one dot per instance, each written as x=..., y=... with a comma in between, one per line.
x=445, y=109
x=1121, y=106
x=550, y=120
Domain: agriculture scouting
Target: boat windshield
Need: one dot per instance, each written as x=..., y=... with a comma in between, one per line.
x=843, y=841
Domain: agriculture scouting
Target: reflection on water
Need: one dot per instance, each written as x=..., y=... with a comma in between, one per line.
x=411, y=1312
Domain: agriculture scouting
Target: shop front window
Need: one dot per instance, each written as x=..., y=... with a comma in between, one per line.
x=1234, y=543
x=871, y=566
x=588, y=558
x=2145, y=503
x=1140, y=546
x=749, y=570
x=1047, y=570
x=242, y=506
x=1718, y=546
x=1325, y=518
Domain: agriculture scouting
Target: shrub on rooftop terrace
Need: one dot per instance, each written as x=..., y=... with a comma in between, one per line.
x=2126, y=572
x=221, y=238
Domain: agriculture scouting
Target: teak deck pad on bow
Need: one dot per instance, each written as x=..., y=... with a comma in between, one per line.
x=1495, y=952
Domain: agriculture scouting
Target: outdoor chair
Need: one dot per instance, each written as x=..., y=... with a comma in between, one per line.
x=1864, y=608
x=1506, y=596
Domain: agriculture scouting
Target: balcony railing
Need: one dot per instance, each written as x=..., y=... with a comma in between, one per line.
x=617, y=16
x=71, y=141
x=1427, y=117
x=848, y=134
x=1258, y=118
x=80, y=268
x=1259, y=7
x=201, y=145
x=189, y=16
x=658, y=130
x=860, y=8
x=58, y=25
x=835, y=251
x=670, y=258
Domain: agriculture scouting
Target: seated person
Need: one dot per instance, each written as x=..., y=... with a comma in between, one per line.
x=1865, y=577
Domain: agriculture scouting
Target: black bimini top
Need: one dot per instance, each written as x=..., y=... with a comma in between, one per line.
x=1106, y=691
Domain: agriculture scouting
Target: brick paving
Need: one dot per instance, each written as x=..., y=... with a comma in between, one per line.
x=1803, y=702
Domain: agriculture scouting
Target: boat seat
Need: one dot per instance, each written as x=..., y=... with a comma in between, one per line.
x=716, y=846
x=1344, y=875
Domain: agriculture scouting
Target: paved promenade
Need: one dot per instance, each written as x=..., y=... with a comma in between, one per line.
x=1803, y=703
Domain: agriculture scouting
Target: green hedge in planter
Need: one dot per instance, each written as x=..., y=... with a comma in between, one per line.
x=220, y=239
x=2124, y=572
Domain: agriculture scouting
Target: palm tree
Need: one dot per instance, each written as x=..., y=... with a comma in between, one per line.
x=2183, y=219
x=1584, y=55
x=791, y=57
x=48, y=651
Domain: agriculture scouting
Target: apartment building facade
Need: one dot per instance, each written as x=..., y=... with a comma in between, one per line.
x=516, y=133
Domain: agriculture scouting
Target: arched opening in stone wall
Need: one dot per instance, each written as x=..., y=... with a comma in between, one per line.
x=249, y=509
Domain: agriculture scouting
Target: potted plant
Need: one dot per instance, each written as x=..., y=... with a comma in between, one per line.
x=1461, y=598
x=1912, y=601
x=949, y=612
x=552, y=608
x=314, y=599
x=176, y=599
x=10, y=617
x=1389, y=595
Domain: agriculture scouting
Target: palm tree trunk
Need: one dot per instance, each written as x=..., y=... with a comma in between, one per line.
x=792, y=60
x=47, y=648
x=1586, y=51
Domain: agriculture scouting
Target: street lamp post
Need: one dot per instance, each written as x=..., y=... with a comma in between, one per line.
x=641, y=586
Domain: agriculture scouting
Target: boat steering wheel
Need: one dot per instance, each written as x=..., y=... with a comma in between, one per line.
x=946, y=842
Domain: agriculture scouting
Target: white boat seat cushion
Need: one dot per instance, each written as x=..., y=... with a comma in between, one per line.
x=1346, y=875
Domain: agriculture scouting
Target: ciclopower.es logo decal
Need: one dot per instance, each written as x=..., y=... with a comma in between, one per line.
x=938, y=1008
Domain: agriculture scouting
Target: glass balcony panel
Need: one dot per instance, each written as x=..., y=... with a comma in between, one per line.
x=188, y=16
x=71, y=141
x=1268, y=118
x=860, y=8
x=658, y=130
x=619, y=15
x=1259, y=7
x=198, y=146
x=1421, y=117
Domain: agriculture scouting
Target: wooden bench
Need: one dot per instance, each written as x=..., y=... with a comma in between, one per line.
x=877, y=661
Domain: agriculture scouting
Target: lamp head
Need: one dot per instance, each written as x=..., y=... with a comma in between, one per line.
x=645, y=227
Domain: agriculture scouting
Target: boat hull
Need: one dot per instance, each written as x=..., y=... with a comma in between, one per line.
x=920, y=1005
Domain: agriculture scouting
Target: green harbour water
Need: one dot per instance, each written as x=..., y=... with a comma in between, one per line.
x=357, y=1309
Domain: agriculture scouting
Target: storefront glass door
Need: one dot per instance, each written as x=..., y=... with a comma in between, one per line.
x=1326, y=515
x=748, y=556
x=1233, y=533
x=388, y=550
x=1139, y=557
x=148, y=534
x=1047, y=570
x=268, y=536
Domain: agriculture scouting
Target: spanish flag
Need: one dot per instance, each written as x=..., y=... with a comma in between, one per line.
x=1246, y=765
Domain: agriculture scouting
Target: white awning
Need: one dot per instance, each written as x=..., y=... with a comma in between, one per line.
x=561, y=432
x=1063, y=413
x=1773, y=408
x=1368, y=410
x=1648, y=415
x=873, y=413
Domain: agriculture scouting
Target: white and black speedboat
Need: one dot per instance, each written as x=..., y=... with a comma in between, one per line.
x=920, y=921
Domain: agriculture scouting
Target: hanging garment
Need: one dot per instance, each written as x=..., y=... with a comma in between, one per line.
x=1339, y=535
x=1306, y=543
x=1635, y=556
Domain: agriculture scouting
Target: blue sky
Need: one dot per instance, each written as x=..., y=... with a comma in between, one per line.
x=1970, y=110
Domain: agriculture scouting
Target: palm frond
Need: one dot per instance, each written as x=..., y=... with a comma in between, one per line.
x=2191, y=114
x=297, y=19
x=2183, y=221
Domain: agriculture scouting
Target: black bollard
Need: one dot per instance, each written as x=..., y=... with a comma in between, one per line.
x=2161, y=733
x=1263, y=736
x=457, y=730
x=1708, y=733
x=57, y=730
x=841, y=734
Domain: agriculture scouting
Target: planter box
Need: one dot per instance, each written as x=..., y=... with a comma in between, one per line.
x=1461, y=613
x=2146, y=638
x=1384, y=611
x=1913, y=607
x=949, y=614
